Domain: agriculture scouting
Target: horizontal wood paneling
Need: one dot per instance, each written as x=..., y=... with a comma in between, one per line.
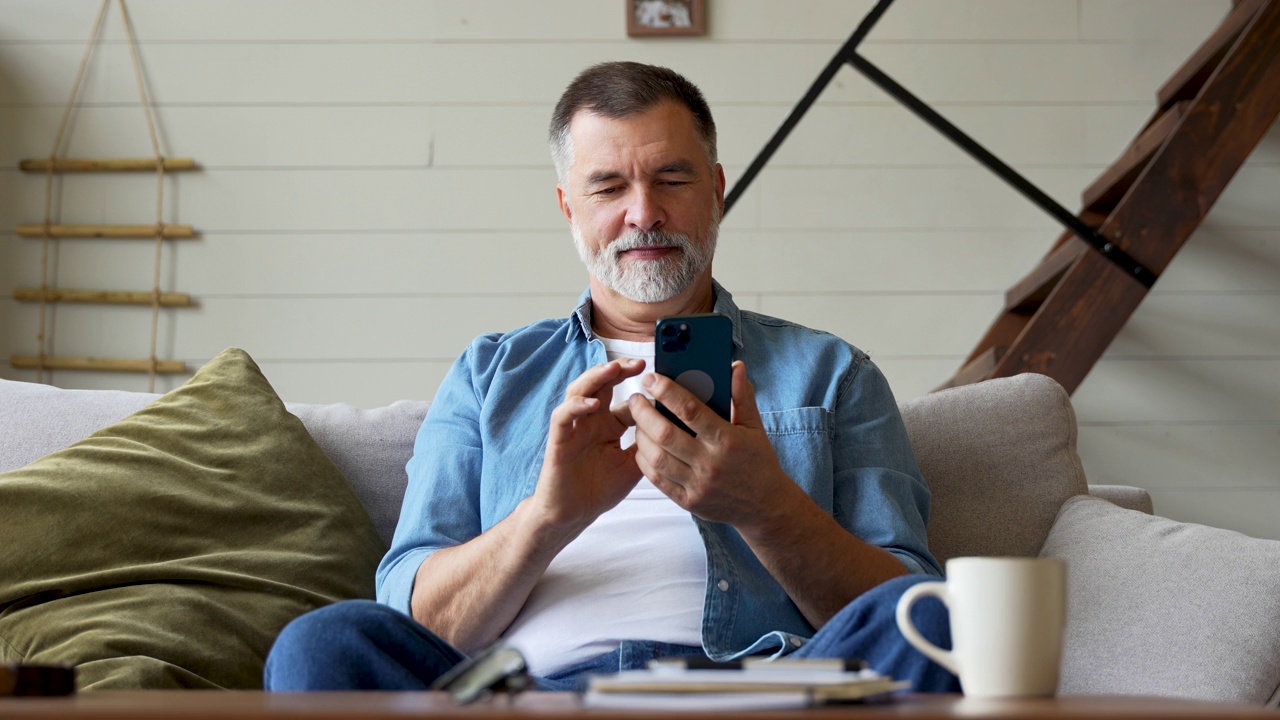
x=938, y=325
x=1188, y=390
x=464, y=263
x=545, y=20
x=367, y=384
x=456, y=199
x=1129, y=20
x=1173, y=456
x=1252, y=512
x=1217, y=262
x=327, y=328
x=469, y=262
x=876, y=261
x=360, y=73
x=1193, y=325
x=308, y=200
x=923, y=198
x=515, y=135
x=1218, y=258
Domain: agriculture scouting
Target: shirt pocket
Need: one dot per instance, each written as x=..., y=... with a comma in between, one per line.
x=802, y=440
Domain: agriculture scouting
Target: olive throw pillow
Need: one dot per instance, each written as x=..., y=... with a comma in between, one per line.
x=169, y=549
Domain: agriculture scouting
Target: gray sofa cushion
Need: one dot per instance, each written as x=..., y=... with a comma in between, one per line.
x=370, y=447
x=1158, y=607
x=1000, y=459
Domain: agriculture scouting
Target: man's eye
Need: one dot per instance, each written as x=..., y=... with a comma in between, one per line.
x=607, y=191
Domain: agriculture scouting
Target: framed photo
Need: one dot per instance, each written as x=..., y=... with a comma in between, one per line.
x=658, y=18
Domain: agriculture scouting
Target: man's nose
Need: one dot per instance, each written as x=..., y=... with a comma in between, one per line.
x=645, y=212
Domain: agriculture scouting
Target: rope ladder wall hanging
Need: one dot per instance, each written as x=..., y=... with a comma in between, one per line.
x=49, y=233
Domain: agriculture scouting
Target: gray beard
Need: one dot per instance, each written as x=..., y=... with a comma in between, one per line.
x=648, y=281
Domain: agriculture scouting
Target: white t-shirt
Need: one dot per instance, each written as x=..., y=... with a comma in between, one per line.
x=638, y=572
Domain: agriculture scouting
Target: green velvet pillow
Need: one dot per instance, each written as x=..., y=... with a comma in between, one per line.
x=169, y=549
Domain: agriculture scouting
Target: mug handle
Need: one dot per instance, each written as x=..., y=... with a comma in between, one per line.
x=935, y=589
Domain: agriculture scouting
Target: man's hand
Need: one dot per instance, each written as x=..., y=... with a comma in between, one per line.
x=729, y=473
x=585, y=471
x=468, y=594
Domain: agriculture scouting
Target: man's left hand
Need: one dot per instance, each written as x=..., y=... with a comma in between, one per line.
x=729, y=472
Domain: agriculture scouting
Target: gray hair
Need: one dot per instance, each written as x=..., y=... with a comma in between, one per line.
x=620, y=90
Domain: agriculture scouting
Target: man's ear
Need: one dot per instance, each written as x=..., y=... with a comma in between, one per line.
x=720, y=188
x=564, y=204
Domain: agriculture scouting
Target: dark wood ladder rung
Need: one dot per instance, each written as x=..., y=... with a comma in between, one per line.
x=1231, y=109
x=1185, y=84
x=1031, y=291
x=1107, y=190
x=977, y=369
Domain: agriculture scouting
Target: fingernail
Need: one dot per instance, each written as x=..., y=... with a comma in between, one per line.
x=590, y=402
x=648, y=380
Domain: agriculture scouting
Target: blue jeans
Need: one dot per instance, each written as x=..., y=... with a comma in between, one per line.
x=362, y=645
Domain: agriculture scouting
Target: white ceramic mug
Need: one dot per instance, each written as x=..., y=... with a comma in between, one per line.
x=1007, y=617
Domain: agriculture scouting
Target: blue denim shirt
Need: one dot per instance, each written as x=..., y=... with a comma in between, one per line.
x=827, y=409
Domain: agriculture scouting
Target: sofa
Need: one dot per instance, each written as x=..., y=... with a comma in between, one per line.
x=163, y=541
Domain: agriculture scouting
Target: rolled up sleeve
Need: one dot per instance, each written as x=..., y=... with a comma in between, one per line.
x=441, y=502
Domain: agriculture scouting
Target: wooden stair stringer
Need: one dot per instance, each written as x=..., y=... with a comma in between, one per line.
x=1235, y=108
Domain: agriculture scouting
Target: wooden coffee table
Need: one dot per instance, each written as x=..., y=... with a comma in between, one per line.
x=214, y=705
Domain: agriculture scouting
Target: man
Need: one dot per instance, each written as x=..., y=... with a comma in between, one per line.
x=550, y=505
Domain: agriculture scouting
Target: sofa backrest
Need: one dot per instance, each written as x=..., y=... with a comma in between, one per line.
x=1000, y=459
x=370, y=447
x=999, y=456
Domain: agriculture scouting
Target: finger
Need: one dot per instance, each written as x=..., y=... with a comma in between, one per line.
x=659, y=464
x=744, y=411
x=622, y=411
x=658, y=431
x=700, y=418
x=603, y=377
x=563, y=417
x=677, y=492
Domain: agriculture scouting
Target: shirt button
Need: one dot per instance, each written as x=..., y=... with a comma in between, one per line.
x=797, y=641
x=723, y=585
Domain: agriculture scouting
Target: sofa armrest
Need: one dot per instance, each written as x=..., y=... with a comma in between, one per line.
x=1133, y=498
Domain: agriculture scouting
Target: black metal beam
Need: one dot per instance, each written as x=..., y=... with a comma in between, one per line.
x=846, y=51
x=848, y=54
x=1024, y=186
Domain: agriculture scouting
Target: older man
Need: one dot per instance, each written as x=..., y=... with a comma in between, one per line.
x=550, y=505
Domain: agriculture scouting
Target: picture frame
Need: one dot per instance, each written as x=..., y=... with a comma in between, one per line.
x=666, y=18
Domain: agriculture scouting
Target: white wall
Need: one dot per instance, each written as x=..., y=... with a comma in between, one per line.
x=376, y=191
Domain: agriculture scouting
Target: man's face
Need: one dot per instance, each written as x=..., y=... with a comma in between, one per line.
x=643, y=205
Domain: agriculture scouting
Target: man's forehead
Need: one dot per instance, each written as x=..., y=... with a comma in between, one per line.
x=667, y=118
x=665, y=134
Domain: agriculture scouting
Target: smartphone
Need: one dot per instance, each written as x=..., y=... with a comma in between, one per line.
x=696, y=351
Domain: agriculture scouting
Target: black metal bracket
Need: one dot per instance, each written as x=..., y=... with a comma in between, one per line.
x=848, y=54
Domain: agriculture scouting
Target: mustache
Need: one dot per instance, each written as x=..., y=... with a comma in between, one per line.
x=648, y=238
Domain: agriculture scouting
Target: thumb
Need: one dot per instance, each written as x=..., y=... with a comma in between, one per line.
x=744, y=412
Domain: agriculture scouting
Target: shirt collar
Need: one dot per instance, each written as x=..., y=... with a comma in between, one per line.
x=724, y=304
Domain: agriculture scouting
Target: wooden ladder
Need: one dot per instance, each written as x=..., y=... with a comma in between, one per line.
x=1211, y=113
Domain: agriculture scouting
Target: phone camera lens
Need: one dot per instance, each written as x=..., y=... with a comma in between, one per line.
x=668, y=346
x=668, y=330
x=683, y=337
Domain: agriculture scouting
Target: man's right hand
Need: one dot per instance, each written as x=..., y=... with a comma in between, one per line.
x=469, y=593
x=585, y=471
